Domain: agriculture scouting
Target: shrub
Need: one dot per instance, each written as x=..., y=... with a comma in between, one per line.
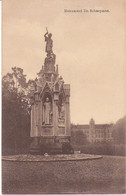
x=103, y=149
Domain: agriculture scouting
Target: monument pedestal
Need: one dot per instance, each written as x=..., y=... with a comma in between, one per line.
x=51, y=145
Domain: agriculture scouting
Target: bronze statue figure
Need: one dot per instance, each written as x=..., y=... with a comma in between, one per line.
x=49, y=42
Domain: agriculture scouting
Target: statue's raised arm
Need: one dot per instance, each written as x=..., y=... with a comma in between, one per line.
x=45, y=35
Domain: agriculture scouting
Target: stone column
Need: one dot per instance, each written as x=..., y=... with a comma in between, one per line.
x=32, y=121
x=67, y=117
x=36, y=119
x=39, y=119
x=55, y=115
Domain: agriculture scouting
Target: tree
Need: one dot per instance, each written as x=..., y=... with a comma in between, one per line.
x=119, y=131
x=15, y=110
x=78, y=137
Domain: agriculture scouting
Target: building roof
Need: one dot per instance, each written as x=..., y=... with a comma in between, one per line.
x=87, y=126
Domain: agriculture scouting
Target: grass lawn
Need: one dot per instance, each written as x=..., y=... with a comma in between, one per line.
x=105, y=175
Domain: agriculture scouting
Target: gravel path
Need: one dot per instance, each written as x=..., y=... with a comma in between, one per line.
x=106, y=175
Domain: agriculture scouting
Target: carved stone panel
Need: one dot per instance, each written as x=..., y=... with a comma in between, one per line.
x=61, y=131
x=46, y=131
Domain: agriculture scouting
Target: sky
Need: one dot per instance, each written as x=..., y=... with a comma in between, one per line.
x=89, y=47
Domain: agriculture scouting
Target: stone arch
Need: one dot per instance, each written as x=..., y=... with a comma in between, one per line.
x=47, y=94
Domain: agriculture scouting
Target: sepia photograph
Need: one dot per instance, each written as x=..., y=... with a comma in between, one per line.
x=63, y=87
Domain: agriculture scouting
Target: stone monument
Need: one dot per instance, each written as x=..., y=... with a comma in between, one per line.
x=50, y=109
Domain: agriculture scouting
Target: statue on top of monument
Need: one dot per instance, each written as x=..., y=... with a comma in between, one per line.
x=49, y=42
x=49, y=63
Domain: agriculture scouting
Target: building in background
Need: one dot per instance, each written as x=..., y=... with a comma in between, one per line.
x=95, y=132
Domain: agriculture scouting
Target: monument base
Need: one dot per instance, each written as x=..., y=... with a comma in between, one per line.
x=51, y=145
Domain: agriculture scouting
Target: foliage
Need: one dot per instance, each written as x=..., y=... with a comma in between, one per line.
x=15, y=110
x=102, y=149
x=78, y=137
x=119, y=131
